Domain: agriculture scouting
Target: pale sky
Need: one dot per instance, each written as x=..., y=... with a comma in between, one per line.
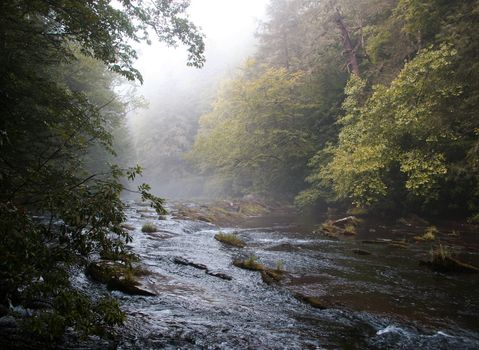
x=229, y=26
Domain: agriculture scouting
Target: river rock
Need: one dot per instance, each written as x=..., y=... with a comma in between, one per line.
x=361, y=252
x=448, y=264
x=128, y=227
x=221, y=275
x=315, y=302
x=270, y=276
x=128, y=286
x=118, y=276
x=183, y=261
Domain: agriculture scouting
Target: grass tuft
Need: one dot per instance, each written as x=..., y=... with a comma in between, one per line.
x=249, y=264
x=429, y=234
x=230, y=239
x=149, y=227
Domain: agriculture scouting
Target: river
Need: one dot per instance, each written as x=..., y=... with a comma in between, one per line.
x=381, y=301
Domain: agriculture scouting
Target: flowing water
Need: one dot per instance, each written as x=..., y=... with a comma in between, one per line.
x=383, y=301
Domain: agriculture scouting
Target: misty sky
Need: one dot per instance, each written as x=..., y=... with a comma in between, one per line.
x=229, y=26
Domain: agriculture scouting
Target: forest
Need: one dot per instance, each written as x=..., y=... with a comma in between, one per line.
x=361, y=103
x=366, y=108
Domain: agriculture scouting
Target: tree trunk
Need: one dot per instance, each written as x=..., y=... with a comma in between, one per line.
x=352, y=61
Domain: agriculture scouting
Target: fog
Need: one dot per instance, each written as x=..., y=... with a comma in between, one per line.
x=177, y=95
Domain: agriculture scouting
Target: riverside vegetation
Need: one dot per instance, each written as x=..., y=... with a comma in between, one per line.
x=367, y=104
x=60, y=205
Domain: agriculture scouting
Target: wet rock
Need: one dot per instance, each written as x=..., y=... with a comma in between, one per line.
x=226, y=213
x=315, y=302
x=378, y=241
x=149, y=216
x=252, y=208
x=100, y=271
x=345, y=226
x=249, y=264
x=128, y=286
x=388, y=242
x=128, y=227
x=449, y=265
x=117, y=276
x=183, y=261
x=361, y=252
x=413, y=220
x=398, y=244
x=221, y=275
x=270, y=276
x=230, y=239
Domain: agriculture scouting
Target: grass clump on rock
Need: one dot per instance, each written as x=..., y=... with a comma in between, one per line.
x=269, y=276
x=230, y=239
x=119, y=276
x=443, y=261
x=149, y=227
x=249, y=264
x=429, y=234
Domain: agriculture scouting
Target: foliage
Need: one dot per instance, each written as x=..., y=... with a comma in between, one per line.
x=399, y=134
x=257, y=134
x=57, y=101
x=400, y=142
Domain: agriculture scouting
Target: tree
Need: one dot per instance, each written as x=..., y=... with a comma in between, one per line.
x=407, y=131
x=258, y=133
x=49, y=120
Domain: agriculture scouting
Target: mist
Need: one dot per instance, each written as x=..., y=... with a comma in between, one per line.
x=177, y=95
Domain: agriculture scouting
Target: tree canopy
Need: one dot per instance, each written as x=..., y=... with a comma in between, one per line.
x=383, y=107
x=56, y=102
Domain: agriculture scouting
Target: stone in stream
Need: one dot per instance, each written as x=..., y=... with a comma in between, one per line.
x=270, y=276
x=221, y=275
x=128, y=227
x=183, y=261
x=361, y=252
x=378, y=241
x=118, y=277
x=128, y=286
x=149, y=216
x=449, y=264
x=315, y=302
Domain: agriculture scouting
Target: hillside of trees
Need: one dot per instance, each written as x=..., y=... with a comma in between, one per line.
x=369, y=103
